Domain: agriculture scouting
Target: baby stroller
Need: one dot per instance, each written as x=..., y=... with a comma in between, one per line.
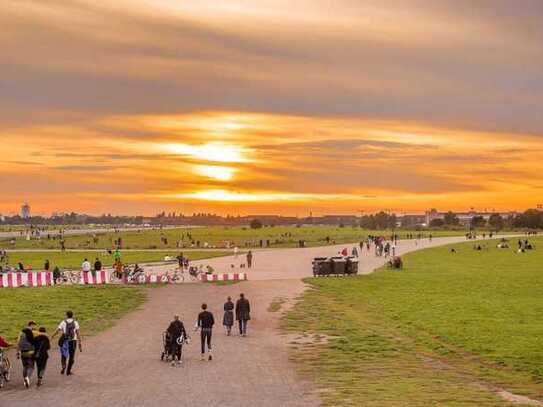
x=168, y=351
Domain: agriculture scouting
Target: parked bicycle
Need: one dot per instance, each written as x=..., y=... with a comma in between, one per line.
x=178, y=276
x=5, y=368
x=68, y=277
x=196, y=272
x=135, y=275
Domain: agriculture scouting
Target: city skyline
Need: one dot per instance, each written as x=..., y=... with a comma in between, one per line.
x=271, y=107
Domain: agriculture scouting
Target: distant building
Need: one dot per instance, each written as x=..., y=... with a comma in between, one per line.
x=25, y=211
x=465, y=217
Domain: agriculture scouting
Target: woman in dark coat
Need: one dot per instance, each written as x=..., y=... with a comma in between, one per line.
x=228, y=319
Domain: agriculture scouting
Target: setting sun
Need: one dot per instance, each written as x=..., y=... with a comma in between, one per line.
x=217, y=172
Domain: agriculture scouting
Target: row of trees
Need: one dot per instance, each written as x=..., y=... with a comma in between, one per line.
x=530, y=219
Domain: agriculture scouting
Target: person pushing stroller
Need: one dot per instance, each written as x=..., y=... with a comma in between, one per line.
x=176, y=336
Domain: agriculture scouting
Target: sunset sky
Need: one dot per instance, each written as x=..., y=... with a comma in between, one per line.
x=343, y=106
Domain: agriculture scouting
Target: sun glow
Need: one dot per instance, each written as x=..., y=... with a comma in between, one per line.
x=217, y=152
x=217, y=172
x=223, y=195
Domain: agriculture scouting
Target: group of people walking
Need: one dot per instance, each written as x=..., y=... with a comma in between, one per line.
x=177, y=334
x=34, y=345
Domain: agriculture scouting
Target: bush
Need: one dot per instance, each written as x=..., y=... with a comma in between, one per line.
x=256, y=224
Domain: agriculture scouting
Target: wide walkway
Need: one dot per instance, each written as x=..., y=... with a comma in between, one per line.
x=280, y=264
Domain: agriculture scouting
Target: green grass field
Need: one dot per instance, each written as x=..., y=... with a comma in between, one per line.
x=73, y=260
x=284, y=236
x=447, y=330
x=96, y=308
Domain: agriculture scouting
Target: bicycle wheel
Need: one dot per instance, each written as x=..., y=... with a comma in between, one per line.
x=74, y=279
x=7, y=375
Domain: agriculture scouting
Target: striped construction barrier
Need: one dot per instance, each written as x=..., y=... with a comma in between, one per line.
x=30, y=279
x=100, y=277
x=206, y=278
x=152, y=279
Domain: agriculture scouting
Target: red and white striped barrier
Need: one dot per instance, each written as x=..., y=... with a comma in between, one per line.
x=151, y=279
x=206, y=278
x=31, y=279
x=100, y=277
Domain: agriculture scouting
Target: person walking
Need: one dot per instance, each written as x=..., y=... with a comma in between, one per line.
x=228, y=319
x=249, y=259
x=25, y=351
x=354, y=252
x=97, y=266
x=177, y=334
x=69, y=340
x=205, y=324
x=42, y=346
x=86, y=266
x=243, y=314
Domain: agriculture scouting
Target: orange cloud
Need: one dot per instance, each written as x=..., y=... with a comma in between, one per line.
x=268, y=162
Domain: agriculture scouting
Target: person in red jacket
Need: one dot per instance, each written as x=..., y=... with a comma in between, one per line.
x=3, y=343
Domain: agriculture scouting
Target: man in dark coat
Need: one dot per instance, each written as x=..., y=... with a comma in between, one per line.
x=243, y=314
x=205, y=324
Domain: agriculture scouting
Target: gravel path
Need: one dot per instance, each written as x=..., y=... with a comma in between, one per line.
x=278, y=264
x=121, y=366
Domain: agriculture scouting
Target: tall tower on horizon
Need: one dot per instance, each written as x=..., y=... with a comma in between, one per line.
x=25, y=211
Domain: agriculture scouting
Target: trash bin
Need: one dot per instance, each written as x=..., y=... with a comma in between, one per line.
x=321, y=266
x=338, y=264
x=351, y=266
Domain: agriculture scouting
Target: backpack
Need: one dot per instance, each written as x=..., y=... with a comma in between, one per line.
x=25, y=346
x=70, y=330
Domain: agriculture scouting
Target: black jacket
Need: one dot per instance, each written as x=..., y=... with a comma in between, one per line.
x=42, y=346
x=176, y=329
x=243, y=310
x=206, y=320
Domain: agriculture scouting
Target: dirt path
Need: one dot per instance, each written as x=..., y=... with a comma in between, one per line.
x=278, y=264
x=121, y=366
